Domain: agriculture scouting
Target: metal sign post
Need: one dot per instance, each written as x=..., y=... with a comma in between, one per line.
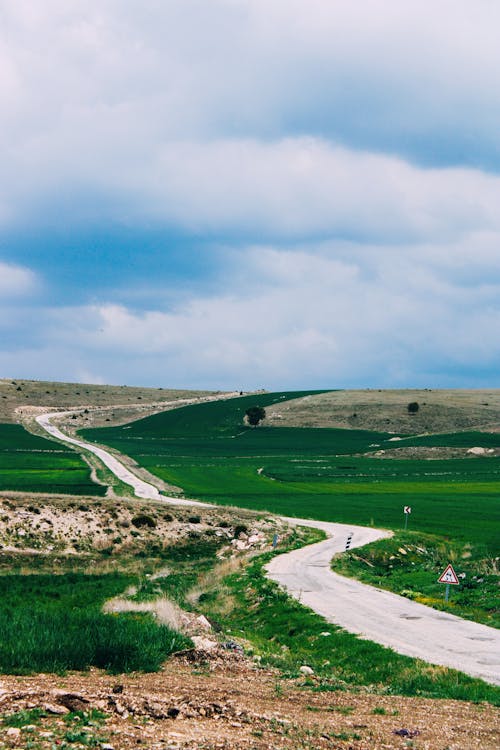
x=449, y=577
x=406, y=511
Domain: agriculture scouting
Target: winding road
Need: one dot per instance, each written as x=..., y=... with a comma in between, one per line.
x=401, y=624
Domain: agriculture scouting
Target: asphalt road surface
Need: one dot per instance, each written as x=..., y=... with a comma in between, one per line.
x=401, y=624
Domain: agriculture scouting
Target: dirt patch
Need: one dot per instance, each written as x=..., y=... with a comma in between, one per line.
x=223, y=700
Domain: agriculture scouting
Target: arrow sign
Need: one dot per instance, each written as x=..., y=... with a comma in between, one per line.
x=407, y=509
x=449, y=576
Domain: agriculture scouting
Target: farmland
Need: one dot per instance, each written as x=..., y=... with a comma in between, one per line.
x=327, y=474
x=33, y=464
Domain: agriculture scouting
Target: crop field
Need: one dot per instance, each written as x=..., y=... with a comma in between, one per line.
x=315, y=472
x=32, y=464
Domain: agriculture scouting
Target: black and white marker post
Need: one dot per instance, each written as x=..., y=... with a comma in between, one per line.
x=349, y=540
x=406, y=511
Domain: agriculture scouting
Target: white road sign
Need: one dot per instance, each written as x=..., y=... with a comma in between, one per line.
x=407, y=509
x=449, y=576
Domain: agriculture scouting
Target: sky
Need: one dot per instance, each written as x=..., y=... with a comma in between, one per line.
x=242, y=194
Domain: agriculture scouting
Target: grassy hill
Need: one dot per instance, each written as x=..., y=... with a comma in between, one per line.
x=15, y=394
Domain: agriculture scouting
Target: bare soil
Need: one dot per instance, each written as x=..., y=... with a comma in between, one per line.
x=223, y=700
x=387, y=410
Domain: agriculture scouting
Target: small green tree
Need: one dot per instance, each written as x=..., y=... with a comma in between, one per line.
x=255, y=414
x=413, y=407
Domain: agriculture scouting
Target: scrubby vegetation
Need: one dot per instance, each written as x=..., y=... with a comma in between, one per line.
x=410, y=564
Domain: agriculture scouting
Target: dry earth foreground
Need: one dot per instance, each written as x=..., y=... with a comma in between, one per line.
x=204, y=701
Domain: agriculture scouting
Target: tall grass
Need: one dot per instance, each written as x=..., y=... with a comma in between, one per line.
x=54, y=623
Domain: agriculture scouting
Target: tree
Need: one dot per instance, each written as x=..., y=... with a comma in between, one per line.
x=255, y=414
x=413, y=407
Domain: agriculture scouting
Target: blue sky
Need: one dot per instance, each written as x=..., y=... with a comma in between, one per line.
x=250, y=193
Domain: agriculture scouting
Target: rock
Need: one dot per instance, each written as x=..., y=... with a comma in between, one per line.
x=53, y=708
x=476, y=451
x=304, y=669
x=13, y=733
x=325, y=633
x=203, y=622
x=203, y=644
x=107, y=746
x=73, y=701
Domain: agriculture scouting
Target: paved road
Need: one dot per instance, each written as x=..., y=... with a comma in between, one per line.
x=140, y=487
x=394, y=621
x=405, y=626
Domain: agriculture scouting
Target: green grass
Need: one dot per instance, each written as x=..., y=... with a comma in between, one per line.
x=32, y=464
x=55, y=623
x=305, y=472
x=454, y=440
x=410, y=564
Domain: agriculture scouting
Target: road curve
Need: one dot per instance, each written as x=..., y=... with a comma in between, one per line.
x=393, y=621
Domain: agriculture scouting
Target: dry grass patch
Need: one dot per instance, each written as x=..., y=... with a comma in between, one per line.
x=387, y=410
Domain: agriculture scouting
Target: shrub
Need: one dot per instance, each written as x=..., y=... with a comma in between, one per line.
x=413, y=407
x=143, y=520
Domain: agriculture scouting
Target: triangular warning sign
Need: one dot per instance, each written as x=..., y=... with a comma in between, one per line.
x=449, y=576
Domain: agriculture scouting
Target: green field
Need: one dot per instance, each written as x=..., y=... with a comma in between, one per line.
x=51, y=623
x=32, y=464
x=310, y=472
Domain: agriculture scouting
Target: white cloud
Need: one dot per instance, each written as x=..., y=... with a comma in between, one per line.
x=297, y=318
x=145, y=103
x=301, y=186
x=15, y=281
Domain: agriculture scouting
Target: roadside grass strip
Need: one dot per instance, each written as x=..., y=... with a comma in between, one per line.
x=410, y=563
x=285, y=634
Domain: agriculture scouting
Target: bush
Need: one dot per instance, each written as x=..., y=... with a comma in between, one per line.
x=413, y=407
x=143, y=520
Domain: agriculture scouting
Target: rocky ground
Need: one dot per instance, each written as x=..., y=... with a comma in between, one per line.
x=108, y=527
x=223, y=700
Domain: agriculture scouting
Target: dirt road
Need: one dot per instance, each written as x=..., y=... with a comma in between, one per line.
x=403, y=625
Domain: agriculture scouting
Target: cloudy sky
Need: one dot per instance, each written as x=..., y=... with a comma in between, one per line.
x=250, y=193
